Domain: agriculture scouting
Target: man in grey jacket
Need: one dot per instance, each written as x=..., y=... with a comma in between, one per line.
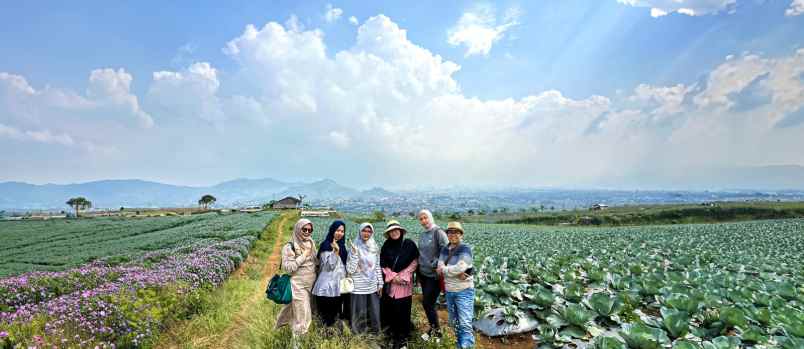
x=431, y=241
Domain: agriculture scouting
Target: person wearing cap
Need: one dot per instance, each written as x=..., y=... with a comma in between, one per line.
x=363, y=265
x=398, y=259
x=299, y=260
x=455, y=264
x=431, y=241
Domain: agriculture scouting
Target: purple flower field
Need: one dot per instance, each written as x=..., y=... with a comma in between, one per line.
x=101, y=306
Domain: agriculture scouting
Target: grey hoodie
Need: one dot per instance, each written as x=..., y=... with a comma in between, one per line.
x=428, y=255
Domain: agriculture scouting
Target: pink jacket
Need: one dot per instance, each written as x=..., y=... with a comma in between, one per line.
x=404, y=289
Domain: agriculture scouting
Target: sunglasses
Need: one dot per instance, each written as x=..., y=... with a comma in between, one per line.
x=306, y=230
x=453, y=232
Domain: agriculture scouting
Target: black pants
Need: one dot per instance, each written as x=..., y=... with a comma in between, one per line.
x=329, y=309
x=346, y=310
x=396, y=318
x=430, y=292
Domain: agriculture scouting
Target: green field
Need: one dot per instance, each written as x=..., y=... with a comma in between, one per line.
x=725, y=285
x=654, y=285
x=652, y=214
x=56, y=245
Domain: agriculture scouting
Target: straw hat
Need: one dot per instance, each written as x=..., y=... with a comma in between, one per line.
x=394, y=224
x=455, y=226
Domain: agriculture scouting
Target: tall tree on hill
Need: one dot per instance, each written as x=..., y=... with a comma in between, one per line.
x=207, y=200
x=78, y=204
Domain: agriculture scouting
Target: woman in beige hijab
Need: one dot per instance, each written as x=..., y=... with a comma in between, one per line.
x=299, y=260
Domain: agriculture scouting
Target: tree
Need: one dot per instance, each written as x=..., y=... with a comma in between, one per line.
x=207, y=200
x=78, y=204
x=378, y=216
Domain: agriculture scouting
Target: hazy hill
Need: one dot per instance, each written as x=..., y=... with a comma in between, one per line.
x=138, y=193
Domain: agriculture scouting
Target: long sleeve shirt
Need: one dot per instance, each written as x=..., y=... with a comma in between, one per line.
x=293, y=263
x=331, y=271
x=404, y=288
x=460, y=262
x=428, y=254
x=363, y=284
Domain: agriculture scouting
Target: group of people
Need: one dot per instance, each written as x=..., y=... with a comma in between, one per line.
x=371, y=287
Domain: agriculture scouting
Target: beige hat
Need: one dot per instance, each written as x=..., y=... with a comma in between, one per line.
x=455, y=226
x=394, y=224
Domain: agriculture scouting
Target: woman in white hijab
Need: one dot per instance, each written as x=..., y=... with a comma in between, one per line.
x=363, y=266
x=299, y=260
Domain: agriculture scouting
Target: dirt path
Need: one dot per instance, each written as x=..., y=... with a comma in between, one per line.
x=240, y=320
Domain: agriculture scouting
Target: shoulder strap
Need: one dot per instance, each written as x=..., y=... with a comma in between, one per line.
x=292, y=248
x=437, y=242
x=452, y=253
x=397, y=255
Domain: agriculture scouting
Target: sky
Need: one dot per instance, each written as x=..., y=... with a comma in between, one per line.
x=399, y=94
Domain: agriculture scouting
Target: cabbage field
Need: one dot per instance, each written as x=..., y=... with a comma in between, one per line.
x=113, y=282
x=713, y=286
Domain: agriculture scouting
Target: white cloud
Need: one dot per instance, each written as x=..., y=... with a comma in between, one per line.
x=660, y=101
x=353, y=20
x=188, y=94
x=44, y=136
x=108, y=96
x=111, y=90
x=479, y=28
x=659, y=8
x=779, y=78
x=340, y=139
x=796, y=8
x=49, y=137
x=332, y=14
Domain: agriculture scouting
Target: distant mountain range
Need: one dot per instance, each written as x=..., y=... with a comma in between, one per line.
x=138, y=193
x=243, y=192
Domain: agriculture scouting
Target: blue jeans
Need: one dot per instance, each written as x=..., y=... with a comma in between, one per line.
x=461, y=309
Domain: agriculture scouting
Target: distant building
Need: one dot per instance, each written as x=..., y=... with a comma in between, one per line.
x=251, y=209
x=317, y=213
x=286, y=203
x=598, y=207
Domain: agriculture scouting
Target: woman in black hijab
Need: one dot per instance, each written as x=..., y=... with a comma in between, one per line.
x=332, y=255
x=398, y=259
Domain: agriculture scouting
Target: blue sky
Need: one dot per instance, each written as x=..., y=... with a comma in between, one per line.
x=182, y=94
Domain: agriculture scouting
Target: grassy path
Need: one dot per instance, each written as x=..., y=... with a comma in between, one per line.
x=231, y=307
x=240, y=319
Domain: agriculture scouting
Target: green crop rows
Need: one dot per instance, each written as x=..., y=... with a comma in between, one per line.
x=686, y=286
x=57, y=245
